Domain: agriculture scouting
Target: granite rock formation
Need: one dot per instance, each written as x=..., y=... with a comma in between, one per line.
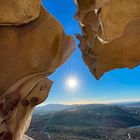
x=29, y=53
x=111, y=34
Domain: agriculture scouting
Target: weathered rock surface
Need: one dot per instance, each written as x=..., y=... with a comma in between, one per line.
x=111, y=34
x=38, y=47
x=28, y=54
x=16, y=12
x=115, y=15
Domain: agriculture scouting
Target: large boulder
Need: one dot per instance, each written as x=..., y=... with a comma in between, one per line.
x=111, y=34
x=16, y=12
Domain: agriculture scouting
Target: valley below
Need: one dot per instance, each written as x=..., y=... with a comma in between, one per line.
x=86, y=122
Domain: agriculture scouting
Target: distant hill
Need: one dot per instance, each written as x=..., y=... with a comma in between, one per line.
x=83, y=122
x=129, y=104
x=50, y=108
x=92, y=115
x=59, y=107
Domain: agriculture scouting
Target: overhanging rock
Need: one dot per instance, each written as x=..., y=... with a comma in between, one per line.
x=111, y=34
x=29, y=53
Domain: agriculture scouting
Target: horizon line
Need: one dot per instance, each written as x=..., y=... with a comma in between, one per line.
x=92, y=102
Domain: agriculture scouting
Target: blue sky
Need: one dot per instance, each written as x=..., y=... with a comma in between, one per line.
x=119, y=85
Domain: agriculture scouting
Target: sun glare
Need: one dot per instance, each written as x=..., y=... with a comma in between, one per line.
x=72, y=82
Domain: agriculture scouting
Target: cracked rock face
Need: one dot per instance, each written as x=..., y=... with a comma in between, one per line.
x=29, y=53
x=16, y=12
x=110, y=34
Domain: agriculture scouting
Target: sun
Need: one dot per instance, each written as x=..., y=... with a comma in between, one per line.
x=72, y=82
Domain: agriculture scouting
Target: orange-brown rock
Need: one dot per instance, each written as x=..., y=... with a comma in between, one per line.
x=16, y=12
x=28, y=55
x=107, y=47
x=115, y=15
x=38, y=47
x=112, y=15
x=18, y=119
